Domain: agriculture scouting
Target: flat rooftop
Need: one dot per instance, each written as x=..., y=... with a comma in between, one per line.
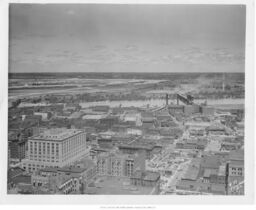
x=135, y=146
x=119, y=186
x=191, y=173
x=57, y=134
x=222, y=170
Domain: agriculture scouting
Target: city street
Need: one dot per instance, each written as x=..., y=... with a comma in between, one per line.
x=172, y=181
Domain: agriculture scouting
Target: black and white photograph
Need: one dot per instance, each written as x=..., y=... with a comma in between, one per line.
x=127, y=99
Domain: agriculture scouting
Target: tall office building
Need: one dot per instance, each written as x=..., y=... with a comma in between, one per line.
x=17, y=149
x=55, y=148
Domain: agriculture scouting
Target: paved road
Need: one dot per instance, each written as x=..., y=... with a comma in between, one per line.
x=172, y=181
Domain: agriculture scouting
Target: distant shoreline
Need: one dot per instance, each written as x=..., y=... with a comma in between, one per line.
x=118, y=75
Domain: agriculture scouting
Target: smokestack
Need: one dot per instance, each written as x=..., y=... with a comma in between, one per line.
x=166, y=99
x=223, y=82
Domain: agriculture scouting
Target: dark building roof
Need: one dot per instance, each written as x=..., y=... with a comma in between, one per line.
x=152, y=176
x=146, y=175
x=25, y=179
x=135, y=146
x=13, y=172
x=210, y=161
x=25, y=188
x=148, y=120
x=48, y=169
x=71, y=169
x=236, y=155
x=215, y=128
x=100, y=108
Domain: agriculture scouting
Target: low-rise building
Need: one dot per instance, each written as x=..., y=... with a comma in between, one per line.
x=216, y=130
x=66, y=179
x=136, y=147
x=205, y=175
x=207, y=110
x=146, y=179
x=44, y=115
x=229, y=146
x=236, y=163
x=193, y=144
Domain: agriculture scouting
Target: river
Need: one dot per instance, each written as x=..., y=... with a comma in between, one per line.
x=161, y=102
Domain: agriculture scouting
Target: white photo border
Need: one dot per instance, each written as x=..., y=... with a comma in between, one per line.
x=248, y=198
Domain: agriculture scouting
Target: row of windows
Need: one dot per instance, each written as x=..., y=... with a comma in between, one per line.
x=71, y=155
x=239, y=173
x=74, y=151
x=239, y=169
x=31, y=156
x=46, y=160
x=41, y=146
x=44, y=157
x=52, y=161
x=73, y=143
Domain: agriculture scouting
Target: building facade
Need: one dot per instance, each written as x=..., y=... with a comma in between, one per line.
x=55, y=148
x=17, y=149
x=122, y=165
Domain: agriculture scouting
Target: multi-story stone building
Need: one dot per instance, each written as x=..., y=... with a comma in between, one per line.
x=55, y=148
x=236, y=173
x=118, y=164
x=17, y=149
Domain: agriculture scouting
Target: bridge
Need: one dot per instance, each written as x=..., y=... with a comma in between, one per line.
x=188, y=100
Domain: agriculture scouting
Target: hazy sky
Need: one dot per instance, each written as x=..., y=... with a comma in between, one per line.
x=126, y=38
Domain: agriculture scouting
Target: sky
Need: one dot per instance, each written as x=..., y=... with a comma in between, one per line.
x=126, y=38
